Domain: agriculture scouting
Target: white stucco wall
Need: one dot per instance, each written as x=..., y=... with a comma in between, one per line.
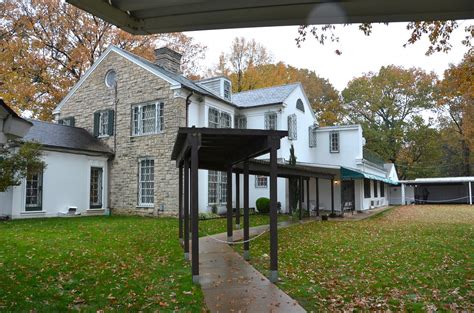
x=395, y=197
x=6, y=202
x=66, y=182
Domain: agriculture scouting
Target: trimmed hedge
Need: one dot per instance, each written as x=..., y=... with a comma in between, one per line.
x=263, y=205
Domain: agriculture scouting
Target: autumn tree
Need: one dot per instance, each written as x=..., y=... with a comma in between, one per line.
x=248, y=73
x=387, y=104
x=242, y=60
x=421, y=150
x=16, y=163
x=456, y=107
x=438, y=34
x=47, y=45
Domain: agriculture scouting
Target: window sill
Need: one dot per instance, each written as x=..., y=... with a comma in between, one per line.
x=144, y=135
x=95, y=209
x=103, y=136
x=145, y=207
x=32, y=212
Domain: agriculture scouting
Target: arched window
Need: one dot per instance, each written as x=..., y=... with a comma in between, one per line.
x=300, y=105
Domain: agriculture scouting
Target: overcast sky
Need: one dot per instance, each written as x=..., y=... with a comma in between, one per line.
x=360, y=54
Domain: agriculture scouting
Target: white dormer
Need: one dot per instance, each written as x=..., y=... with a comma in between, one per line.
x=221, y=86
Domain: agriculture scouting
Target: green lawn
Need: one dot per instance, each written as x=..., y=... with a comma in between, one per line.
x=99, y=263
x=413, y=258
x=94, y=263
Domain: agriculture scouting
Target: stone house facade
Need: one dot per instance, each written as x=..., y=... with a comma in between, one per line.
x=135, y=85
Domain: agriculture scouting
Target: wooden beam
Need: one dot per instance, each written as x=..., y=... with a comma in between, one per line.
x=275, y=141
x=180, y=202
x=186, y=209
x=229, y=205
x=237, y=200
x=307, y=196
x=317, y=196
x=195, y=210
x=246, y=211
x=332, y=196
x=300, y=200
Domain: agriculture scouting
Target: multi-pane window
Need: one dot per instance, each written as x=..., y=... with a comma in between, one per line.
x=334, y=142
x=217, y=187
x=214, y=118
x=261, y=182
x=104, y=123
x=312, y=136
x=376, y=187
x=227, y=91
x=34, y=190
x=96, y=188
x=68, y=121
x=217, y=181
x=147, y=118
x=292, y=127
x=146, y=182
x=382, y=189
x=241, y=122
x=225, y=120
x=271, y=120
x=367, y=188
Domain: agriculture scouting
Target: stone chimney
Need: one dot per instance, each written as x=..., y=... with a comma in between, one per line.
x=168, y=59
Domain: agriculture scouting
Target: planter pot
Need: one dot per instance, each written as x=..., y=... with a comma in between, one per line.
x=324, y=217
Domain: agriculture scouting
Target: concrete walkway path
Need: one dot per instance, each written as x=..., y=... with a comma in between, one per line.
x=231, y=284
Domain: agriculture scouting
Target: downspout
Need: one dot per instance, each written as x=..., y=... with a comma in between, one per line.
x=115, y=147
x=188, y=102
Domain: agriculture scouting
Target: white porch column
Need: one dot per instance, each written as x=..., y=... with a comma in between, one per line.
x=403, y=194
x=470, y=193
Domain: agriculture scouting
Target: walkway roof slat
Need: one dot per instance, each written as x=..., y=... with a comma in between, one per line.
x=160, y=16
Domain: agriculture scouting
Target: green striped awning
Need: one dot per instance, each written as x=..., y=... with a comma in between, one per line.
x=347, y=173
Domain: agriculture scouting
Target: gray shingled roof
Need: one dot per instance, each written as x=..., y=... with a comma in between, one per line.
x=66, y=137
x=177, y=77
x=264, y=96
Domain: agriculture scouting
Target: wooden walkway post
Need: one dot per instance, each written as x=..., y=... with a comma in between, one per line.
x=180, y=202
x=246, y=211
x=317, y=196
x=195, y=209
x=229, y=205
x=186, y=209
x=237, y=200
x=307, y=196
x=300, y=201
x=275, y=143
x=332, y=196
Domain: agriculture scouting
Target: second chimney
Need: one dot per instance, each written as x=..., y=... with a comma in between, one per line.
x=168, y=59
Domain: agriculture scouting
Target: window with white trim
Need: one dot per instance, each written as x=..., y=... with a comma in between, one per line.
x=261, y=182
x=292, y=127
x=240, y=122
x=271, y=120
x=147, y=118
x=217, y=187
x=227, y=90
x=225, y=120
x=103, y=123
x=218, y=119
x=217, y=181
x=146, y=182
x=312, y=136
x=213, y=118
x=334, y=142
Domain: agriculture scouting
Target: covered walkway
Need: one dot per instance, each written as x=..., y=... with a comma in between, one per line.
x=233, y=151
